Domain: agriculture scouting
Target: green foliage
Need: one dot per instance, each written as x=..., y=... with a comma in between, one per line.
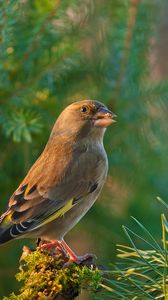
x=20, y=125
x=43, y=277
x=144, y=273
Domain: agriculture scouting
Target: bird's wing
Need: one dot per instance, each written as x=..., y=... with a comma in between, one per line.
x=25, y=216
x=33, y=206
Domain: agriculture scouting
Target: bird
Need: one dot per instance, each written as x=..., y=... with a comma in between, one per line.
x=64, y=182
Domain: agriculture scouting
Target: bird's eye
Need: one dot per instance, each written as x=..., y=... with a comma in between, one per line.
x=84, y=109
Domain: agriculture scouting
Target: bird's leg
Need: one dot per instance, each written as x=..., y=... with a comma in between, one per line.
x=71, y=254
x=73, y=257
x=51, y=245
x=66, y=251
x=60, y=246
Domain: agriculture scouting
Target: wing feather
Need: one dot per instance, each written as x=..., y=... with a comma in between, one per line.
x=37, y=201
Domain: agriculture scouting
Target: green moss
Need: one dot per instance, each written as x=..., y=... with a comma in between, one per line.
x=44, y=276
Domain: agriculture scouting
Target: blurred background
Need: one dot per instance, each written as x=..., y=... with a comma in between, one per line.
x=56, y=52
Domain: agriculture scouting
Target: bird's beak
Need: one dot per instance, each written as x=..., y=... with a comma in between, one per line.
x=104, y=117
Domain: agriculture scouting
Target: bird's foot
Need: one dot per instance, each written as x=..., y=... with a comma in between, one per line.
x=66, y=252
x=86, y=259
x=51, y=246
x=73, y=258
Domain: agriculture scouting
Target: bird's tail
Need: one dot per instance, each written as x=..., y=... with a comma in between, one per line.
x=10, y=230
x=5, y=228
x=4, y=236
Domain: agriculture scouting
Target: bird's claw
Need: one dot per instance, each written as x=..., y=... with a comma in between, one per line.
x=68, y=255
x=86, y=259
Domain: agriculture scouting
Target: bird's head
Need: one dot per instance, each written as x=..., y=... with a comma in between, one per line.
x=85, y=117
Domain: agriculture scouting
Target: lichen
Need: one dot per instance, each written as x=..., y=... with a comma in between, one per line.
x=45, y=277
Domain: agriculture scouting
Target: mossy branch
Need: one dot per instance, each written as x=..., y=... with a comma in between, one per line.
x=44, y=275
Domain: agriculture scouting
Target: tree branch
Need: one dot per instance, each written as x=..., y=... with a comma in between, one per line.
x=46, y=275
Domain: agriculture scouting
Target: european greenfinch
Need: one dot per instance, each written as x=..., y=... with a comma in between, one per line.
x=65, y=180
